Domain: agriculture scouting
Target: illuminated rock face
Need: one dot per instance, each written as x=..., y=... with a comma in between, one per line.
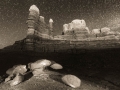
x=32, y=19
x=96, y=31
x=71, y=81
x=105, y=30
x=87, y=30
x=76, y=27
x=65, y=28
x=30, y=31
x=51, y=27
x=51, y=23
x=70, y=27
x=34, y=8
x=42, y=19
x=78, y=24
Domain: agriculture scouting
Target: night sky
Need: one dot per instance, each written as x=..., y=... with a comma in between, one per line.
x=96, y=13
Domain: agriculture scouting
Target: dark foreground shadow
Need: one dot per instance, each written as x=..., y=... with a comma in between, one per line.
x=90, y=63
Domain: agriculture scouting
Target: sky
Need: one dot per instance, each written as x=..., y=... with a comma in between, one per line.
x=96, y=13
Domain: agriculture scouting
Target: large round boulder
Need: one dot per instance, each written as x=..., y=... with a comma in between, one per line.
x=72, y=81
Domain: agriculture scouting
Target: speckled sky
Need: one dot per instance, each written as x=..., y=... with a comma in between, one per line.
x=96, y=13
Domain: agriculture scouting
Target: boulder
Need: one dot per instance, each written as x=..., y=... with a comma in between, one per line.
x=72, y=81
x=17, y=69
x=39, y=64
x=56, y=66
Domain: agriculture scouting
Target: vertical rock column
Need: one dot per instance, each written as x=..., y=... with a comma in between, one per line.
x=42, y=19
x=51, y=27
x=32, y=24
x=32, y=21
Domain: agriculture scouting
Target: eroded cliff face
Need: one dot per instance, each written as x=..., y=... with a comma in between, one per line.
x=37, y=25
x=75, y=34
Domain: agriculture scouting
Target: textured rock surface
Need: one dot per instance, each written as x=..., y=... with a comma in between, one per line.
x=39, y=64
x=72, y=81
x=37, y=72
x=105, y=30
x=20, y=69
x=17, y=69
x=95, y=31
x=34, y=8
x=18, y=79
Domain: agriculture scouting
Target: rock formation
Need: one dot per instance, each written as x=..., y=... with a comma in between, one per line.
x=42, y=19
x=18, y=79
x=78, y=24
x=77, y=29
x=51, y=27
x=36, y=24
x=105, y=30
x=32, y=19
x=96, y=32
x=40, y=35
x=51, y=23
x=65, y=28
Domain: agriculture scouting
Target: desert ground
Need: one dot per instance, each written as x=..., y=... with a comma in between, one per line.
x=97, y=69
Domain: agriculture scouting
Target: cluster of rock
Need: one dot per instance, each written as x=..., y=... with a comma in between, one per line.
x=77, y=29
x=17, y=72
x=36, y=24
x=40, y=35
x=39, y=66
x=103, y=32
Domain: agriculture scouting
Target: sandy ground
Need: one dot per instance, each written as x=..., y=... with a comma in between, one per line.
x=49, y=81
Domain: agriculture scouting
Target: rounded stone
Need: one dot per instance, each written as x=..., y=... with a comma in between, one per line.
x=71, y=81
x=56, y=66
x=40, y=64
